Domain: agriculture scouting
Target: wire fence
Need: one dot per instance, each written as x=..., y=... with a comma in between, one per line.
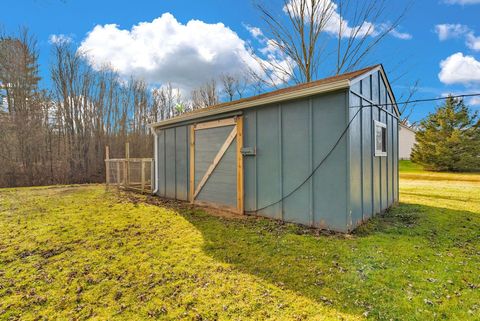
x=131, y=173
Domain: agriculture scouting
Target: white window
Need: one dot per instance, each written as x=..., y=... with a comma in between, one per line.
x=380, y=138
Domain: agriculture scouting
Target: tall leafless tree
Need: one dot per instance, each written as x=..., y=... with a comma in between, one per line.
x=300, y=37
x=234, y=86
x=204, y=96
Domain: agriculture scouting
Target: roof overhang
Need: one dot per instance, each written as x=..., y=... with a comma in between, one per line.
x=249, y=103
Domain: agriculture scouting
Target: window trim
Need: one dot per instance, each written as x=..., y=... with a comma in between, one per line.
x=380, y=153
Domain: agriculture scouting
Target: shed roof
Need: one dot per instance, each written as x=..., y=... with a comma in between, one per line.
x=302, y=90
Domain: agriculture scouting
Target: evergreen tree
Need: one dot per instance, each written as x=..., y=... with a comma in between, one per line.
x=449, y=139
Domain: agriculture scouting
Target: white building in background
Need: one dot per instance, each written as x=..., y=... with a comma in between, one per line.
x=406, y=141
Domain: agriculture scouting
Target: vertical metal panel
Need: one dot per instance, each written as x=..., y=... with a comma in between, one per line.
x=356, y=88
x=161, y=162
x=295, y=160
x=367, y=160
x=374, y=88
x=355, y=159
x=376, y=173
x=181, y=167
x=249, y=162
x=391, y=155
x=170, y=163
x=330, y=181
x=268, y=162
x=376, y=167
x=395, y=160
x=383, y=159
x=367, y=87
x=312, y=165
x=280, y=158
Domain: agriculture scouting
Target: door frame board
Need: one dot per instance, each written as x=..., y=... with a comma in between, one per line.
x=237, y=133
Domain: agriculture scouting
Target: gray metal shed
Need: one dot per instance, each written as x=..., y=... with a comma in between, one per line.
x=322, y=154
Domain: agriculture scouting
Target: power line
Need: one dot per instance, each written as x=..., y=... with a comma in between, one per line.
x=343, y=134
x=418, y=100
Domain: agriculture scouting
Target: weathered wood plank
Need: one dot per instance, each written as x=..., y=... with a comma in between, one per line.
x=240, y=202
x=216, y=123
x=216, y=160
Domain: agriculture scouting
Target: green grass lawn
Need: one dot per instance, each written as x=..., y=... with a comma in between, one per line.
x=80, y=252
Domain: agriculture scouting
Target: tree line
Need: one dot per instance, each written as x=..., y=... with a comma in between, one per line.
x=58, y=135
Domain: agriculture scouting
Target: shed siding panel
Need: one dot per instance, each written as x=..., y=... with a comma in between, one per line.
x=390, y=159
x=330, y=180
x=249, y=162
x=269, y=179
x=376, y=167
x=384, y=170
x=170, y=163
x=181, y=146
x=367, y=159
x=296, y=160
x=161, y=163
x=383, y=160
x=395, y=159
x=356, y=177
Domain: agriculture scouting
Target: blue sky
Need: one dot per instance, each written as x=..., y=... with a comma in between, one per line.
x=442, y=49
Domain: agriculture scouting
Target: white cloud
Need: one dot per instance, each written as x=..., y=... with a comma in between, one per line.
x=459, y=69
x=474, y=101
x=473, y=42
x=400, y=35
x=448, y=31
x=60, y=38
x=462, y=2
x=254, y=31
x=165, y=50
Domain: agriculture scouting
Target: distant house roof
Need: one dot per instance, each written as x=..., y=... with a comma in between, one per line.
x=408, y=128
x=302, y=90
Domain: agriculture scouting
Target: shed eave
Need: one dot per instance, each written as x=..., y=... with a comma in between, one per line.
x=305, y=92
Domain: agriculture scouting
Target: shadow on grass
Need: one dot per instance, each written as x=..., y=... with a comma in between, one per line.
x=367, y=272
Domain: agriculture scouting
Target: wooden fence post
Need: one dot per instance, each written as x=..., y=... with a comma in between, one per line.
x=127, y=164
x=118, y=172
x=107, y=165
x=142, y=167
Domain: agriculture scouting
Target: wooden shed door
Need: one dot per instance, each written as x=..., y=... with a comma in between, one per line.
x=216, y=164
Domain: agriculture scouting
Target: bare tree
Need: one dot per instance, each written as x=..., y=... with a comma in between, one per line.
x=234, y=85
x=301, y=36
x=406, y=106
x=204, y=96
x=21, y=143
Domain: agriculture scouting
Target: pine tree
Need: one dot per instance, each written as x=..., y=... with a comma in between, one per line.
x=449, y=139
